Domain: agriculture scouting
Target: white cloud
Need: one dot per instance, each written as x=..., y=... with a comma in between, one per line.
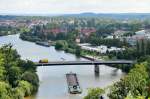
x=73, y=6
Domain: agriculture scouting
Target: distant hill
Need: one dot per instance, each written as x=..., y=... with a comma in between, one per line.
x=112, y=15
x=89, y=14
x=5, y=17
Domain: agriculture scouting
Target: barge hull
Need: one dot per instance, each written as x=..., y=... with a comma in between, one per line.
x=73, y=84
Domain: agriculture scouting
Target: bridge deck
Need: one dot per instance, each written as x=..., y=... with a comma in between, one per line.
x=61, y=63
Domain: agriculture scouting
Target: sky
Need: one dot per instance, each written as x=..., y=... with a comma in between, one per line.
x=73, y=6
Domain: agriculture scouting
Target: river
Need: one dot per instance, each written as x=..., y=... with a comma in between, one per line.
x=53, y=83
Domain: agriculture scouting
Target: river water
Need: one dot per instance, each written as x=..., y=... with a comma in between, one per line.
x=53, y=83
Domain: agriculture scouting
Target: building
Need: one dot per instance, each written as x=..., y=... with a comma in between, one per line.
x=119, y=33
x=87, y=31
x=100, y=49
x=55, y=31
x=139, y=35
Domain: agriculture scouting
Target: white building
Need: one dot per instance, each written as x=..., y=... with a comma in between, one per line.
x=103, y=49
x=110, y=37
x=115, y=49
x=100, y=49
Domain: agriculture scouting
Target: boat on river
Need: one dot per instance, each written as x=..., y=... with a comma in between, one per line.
x=73, y=84
x=46, y=44
x=43, y=61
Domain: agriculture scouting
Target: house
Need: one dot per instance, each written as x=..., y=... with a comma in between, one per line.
x=77, y=40
x=115, y=49
x=119, y=33
x=139, y=35
x=103, y=49
x=55, y=31
x=87, y=31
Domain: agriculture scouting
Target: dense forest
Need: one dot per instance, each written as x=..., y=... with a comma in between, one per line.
x=18, y=78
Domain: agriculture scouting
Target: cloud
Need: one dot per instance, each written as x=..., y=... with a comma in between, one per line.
x=73, y=6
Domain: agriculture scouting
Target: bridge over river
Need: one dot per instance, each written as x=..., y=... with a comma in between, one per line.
x=94, y=63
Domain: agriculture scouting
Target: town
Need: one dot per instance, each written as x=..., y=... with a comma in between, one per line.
x=74, y=49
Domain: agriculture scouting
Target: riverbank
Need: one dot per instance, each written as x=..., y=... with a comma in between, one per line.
x=7, y=34
x=52, y=79
x=90, y=55
x=73, y=48
x=65, y=45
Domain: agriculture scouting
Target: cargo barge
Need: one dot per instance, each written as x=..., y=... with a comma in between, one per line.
x=73, y=84
x=46, y=44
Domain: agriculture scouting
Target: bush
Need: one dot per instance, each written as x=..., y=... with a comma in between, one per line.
x=61, y=44
x=2, y=68
x=25, y=87
x=18, y=93
x=94, y=93
x=14, y=75
x=32, y=78
x=135, y=83
x=5, y=91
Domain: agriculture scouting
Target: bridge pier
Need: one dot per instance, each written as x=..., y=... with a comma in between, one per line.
x=96, y=69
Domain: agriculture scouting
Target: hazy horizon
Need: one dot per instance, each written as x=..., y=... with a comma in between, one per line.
x=59, y=7
x=72, y=13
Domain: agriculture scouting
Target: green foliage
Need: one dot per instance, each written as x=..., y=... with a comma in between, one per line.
x=25, y=87
x=12, y=70
x=128, y=53
x=27, y=65
x=61, y=44
x=27, y=36
x=14, y=74
x=68, y=46
x=142, y=49
x=95, y=40
x=104, y=29
x=17, y=93
x=135, y=83
x=94, y=93
x=2, y=69
x=31, y=78
x=7, y=30
x=5, y=91
x=132, y=97
x=143, y=59
x=78, y=51
x=38, y=33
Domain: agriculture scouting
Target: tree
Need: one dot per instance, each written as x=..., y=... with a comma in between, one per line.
x=94, y=93
x=129, y=96
x=32, y=78
x=14, y=74
x=12, y=70
x=2, y=68
x=5, y=91
x=134, y=83
x=17, y=93
x=61, y=44
x=25, y=87
x=78, y=51
x=27, y=65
